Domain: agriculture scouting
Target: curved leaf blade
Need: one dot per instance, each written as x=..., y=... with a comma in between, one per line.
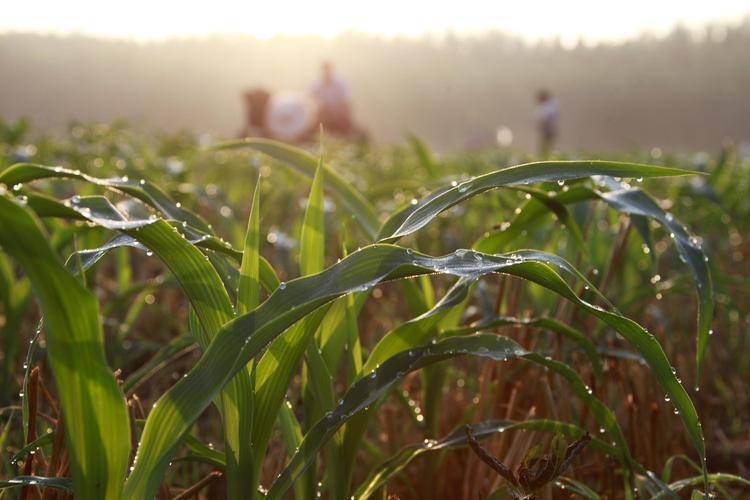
x=96, y=418
x=421, y=214
x=369, y=388
x=247, y=335
x=395, y=464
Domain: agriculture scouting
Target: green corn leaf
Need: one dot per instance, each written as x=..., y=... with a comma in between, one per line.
x=248, y=291
x=96, y=419
x=334, y=332
x=411, y=333
x=562, y=215
x=369, y=388
x=667, y=470
x=210, y=300
x=639, y=203
x=415, y=331
x=317, y=383
x=312, y=239
x=202, y=453
x=422, y=152
x=193, y=226
x=353, y=342
x=550, y=324
x=102, y=212
x=274, y=374
x=291, y=434
x=15, y=294
x=89, y=257
x=566, y=484
x=59, y=483
x=639, y=206
x=208, y=296
x=532, y=211
x=414, y=217
x=244, y=337
x=43, y=440
x=141, y=189
x=395, y=464
x=175, y=348
x=344, y=193
x=716, y=478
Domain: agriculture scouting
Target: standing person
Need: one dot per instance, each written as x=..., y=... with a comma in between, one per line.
x=547, y=114
x=332, y=95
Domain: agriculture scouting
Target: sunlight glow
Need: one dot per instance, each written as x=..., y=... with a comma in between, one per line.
x=591, y=20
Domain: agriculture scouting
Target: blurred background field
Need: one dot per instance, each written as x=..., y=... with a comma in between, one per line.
x=684, y=91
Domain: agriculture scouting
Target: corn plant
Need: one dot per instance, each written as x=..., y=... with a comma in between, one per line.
x=263, y=340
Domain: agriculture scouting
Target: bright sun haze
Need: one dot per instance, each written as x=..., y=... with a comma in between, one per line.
x=590, y=20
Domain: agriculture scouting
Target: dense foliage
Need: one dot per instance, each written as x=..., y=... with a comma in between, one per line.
x=180, y=318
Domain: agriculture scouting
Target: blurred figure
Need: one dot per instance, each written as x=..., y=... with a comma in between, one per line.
x=285, y=116
x=332, y=95
x=296, y=116
x=547, y=114
x=256, y=106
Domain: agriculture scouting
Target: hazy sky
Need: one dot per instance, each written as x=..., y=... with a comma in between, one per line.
x=593, y=20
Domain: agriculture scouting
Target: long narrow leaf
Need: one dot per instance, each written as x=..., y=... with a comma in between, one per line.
x=368, y=389
x=383, y=472
x=96, y=421
x=246, y=336
x=422, y=213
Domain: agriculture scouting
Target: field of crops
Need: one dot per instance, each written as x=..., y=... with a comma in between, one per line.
x=183, y=318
